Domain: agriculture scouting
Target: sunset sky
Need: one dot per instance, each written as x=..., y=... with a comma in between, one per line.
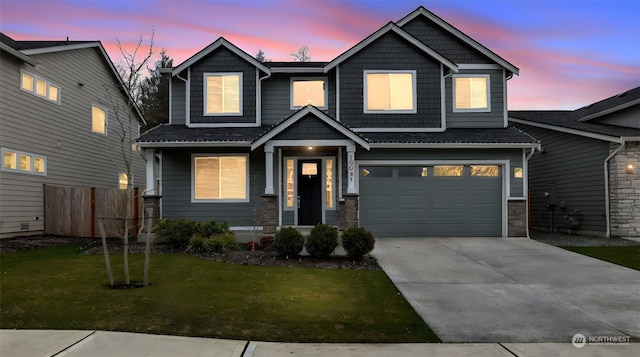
x=570, y=53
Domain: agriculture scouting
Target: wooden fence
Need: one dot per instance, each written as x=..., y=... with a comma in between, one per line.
x=75, y=211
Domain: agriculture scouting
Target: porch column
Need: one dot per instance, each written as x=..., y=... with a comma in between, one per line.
x=351, y=169
x=268, y=163
x=150, y=188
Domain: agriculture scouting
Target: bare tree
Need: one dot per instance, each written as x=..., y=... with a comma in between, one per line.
x=302, y=55
x=126, y=115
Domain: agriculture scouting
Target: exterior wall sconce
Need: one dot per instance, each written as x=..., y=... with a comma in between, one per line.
x=629, y=168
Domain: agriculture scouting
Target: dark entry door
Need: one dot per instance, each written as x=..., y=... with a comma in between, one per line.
x=309, y=194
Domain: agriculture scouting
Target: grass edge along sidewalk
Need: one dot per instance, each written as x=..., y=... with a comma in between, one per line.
x=60, y=288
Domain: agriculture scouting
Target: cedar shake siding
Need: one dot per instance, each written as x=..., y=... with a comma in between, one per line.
x=391, y=52
x=223, y=60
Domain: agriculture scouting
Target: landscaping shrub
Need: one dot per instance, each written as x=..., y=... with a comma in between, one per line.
x=223, y=242
x=253, y=246
x=322, y=241
x=266, y=243
x=212, y=228
x=357, y=241
x=175, y=232
x=197, y=244
x=289, y=242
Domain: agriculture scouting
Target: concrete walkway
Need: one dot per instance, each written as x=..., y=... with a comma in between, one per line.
x=35, y=343
x=511, y=290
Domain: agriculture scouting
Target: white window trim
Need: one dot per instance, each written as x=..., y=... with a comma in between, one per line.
x=323, y=197
x=302, y=79
x=193, y=179
x=17, y=169
x=204, y=94
x=33, y=92
x=471, y=110
x=106, y=120
x=366, y=94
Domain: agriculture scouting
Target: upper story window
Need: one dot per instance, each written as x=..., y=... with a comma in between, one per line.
x=98, y=120
x=471, y=93
x=390, y=91
x=17, y=161
x=39, y=87
x=305, y=91
x=223, y=94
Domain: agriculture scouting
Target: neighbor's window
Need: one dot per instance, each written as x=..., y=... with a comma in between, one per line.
x=290, y=182
x=447, y=170
x=484, y=170
x=22, y=162
x=305, y=91
x=471, y=93
x=220, y=178
x=39, y=87
x=329, y=182
x=223, y=94
x=390, y=92
x=98, y=120
x=123, y=181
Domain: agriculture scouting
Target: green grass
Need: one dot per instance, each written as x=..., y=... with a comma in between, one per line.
x=59, y=288
x=626, y=256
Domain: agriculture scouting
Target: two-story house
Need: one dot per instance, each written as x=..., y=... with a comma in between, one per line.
x=59, y=104
x=404, y=134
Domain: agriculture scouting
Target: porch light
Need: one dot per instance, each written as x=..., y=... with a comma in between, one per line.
x=629, y=168
x=310, y=148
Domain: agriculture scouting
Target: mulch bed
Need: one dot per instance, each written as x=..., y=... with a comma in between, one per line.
x=245, y=257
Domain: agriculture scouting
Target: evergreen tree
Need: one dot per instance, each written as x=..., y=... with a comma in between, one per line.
x=154, y=93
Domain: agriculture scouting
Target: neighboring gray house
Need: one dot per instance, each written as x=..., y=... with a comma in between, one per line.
x=589, y=163
x=404, y=134
x=58, y=127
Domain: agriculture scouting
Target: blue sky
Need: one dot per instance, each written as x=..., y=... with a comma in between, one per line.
x=570, y=53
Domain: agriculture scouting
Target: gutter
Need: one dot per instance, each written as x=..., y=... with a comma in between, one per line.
x=606, y=186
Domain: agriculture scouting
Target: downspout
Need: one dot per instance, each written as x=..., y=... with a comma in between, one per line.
x=259, y=94
x=187, y=94
x=607, y=205
x=526, y=175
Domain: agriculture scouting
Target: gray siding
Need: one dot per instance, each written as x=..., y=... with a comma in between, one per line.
x=493, y=119
x=390, y=52
x=309, y=128
x=574, y=166
x=444, y=42
x=629, y=117
x=61, y=133
x=176, y=195
x=276, y=97
x=223, y=60
x=178, y=100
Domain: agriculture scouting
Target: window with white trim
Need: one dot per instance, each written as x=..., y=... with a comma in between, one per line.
x=390, y=91
x=98, y=120
x=305, y=91
x=22, y=162
x=223, y=93
x=471, y=93
x=39, y=87
x=220, y=178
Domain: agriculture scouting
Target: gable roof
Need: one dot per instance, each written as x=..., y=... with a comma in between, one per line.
x=302, y=113
x=421, y=11
x=578, y=122
x=391, y=27
x=220, y=42
x=31, y=48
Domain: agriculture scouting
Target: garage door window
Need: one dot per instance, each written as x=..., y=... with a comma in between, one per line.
x=447, y=170
x=377, y=171
x=412, y=171
x=484, y=170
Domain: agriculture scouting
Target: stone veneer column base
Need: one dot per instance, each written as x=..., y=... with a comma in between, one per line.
x=624, y=191
x=517, y=218
x=348, y=211
x=270, y=215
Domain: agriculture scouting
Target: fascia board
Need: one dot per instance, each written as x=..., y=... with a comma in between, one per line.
x=193, y=144
x=587, y=134
x=455, y=145
x=610, y=110
x=216, y=44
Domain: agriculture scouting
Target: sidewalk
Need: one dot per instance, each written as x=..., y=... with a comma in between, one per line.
x=33, y=343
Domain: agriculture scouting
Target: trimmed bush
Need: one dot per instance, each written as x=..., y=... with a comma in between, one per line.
x=289, y=242
x=357, y=241
x=212, y=228
x=175, y=232
x=322, y=241
x=197, y=244
x=266, y=243
x=223, y=242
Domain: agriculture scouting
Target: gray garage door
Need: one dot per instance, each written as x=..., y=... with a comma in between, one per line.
x=431, y=201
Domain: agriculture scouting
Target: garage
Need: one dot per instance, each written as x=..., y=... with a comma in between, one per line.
x=431, y=200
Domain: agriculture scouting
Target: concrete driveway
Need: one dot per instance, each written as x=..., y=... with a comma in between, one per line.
x=511, y=289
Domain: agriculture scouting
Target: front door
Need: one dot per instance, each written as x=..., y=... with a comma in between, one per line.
x=309, y=192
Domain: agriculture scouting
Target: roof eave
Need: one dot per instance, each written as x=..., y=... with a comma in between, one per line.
x=21, y=56
x=457, y=145
x=192, y=144
x=610, y=110
x=572, y=131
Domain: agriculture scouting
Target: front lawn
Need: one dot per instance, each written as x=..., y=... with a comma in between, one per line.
x=60, y=288
x=625, y=256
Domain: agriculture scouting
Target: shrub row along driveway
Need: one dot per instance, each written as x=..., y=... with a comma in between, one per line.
x=511, y=289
